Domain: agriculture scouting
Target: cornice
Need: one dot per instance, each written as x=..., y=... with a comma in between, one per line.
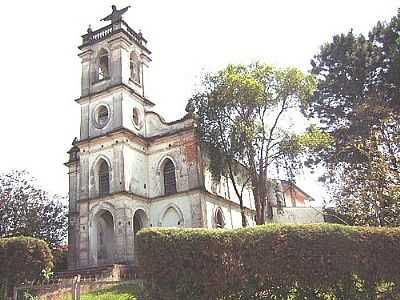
x=144, y=140
x=111, y=89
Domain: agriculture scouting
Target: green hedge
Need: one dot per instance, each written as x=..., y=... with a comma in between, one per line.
x=271, y=262
x=22, y=260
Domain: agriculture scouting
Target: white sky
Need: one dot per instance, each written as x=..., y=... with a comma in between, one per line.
x=40, y=70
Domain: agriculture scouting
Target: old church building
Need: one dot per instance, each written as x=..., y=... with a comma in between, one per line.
x=131, y=169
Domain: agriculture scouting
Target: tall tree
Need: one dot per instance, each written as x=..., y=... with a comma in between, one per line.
x=357, y=103
x=28, y=210
x=239, y=112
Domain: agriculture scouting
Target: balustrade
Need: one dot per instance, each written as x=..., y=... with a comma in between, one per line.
x=102, y=33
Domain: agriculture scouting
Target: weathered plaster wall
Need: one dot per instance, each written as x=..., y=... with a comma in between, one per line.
x=129, y=103
x=156, y=125
x=181, y=149
x=88, y=114
x=299, y=215
x=135, y=169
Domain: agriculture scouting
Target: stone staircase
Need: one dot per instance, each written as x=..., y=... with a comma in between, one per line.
x=112, y=272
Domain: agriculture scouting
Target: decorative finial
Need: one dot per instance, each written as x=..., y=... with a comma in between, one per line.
x=116, y=14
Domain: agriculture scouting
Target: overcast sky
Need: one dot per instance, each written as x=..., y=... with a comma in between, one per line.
x=40, y=70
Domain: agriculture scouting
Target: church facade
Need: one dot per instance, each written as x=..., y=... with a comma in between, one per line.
x=130, y=168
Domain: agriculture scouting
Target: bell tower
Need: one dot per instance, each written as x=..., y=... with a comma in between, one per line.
x=114, y=59
x=113, y=106
x=112, y=55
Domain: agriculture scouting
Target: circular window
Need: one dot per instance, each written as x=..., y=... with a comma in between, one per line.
x=136, y=118
x=101, y=116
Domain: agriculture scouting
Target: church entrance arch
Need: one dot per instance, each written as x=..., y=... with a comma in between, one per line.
x=103, y=238
x=140, y=221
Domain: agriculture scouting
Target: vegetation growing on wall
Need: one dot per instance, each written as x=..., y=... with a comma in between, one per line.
x=281, y=261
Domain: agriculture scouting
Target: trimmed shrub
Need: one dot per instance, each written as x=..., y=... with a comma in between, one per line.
x=271, y=262
x=22, y=260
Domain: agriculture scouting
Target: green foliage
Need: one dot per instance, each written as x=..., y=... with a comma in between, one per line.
x=60, y=255
x=22, y=260
x=119, y=292
x=357, y=104
x=47, y=274
x=28, y=210
x=238, y=111
x=271, y=262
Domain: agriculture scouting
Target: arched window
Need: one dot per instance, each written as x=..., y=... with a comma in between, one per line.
x=104, y=178
x=135, y=67
x=219, y=218
x=169, y=177
x=103, y=70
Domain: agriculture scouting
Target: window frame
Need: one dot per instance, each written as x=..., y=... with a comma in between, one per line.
x=169, y=177
x=103, y=176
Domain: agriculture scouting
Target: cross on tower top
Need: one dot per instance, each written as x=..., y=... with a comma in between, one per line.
x=116, y=14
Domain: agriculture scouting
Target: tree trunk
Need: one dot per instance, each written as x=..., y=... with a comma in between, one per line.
x=244, y=220
x=242, y=212
x=259, y=194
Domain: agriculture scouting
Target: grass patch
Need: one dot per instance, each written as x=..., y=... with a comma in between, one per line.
x=118, y=292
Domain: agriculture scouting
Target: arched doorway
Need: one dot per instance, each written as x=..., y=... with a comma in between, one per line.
x=103, y=235
x=140, y=221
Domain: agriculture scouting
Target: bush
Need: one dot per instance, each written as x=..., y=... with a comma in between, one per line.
x=60, y=257
x=22, y=260
x=271, y=262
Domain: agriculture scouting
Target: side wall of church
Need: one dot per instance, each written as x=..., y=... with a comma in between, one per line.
x=298, y=215
x=231, y=212
x=225, y=188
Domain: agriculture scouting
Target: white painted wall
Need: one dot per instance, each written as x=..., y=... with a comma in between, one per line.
x=299, y=215
x=225, y=189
